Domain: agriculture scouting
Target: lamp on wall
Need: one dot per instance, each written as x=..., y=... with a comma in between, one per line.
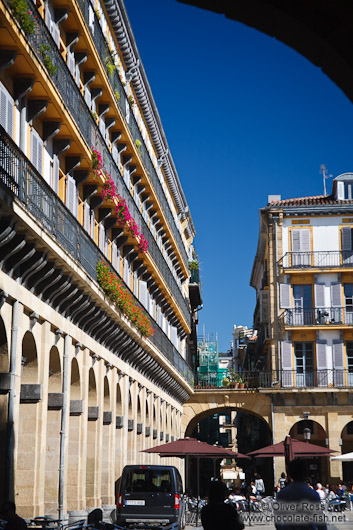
x=307, y=434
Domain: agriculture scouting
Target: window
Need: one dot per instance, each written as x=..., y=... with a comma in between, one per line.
x=348, y=189
x=71, y=195
x=347, y=244
x=36, y=151
x=303, y=302
x=6, y=110
x=304, y=363
x=349, y=351
x=348, y=303
x=301, y=255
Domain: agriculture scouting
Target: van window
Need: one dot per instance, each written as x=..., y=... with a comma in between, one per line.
x=148, y=480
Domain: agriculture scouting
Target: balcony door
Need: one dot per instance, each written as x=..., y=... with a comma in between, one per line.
x=348, y=303
x=304, y=363
x=301, y=255
x=303, y=305
x=349, y=350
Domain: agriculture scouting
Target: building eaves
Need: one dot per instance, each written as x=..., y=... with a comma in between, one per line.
x=125, y=37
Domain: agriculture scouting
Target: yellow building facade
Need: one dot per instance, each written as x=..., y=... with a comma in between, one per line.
x=95, y=241
x=303, y=274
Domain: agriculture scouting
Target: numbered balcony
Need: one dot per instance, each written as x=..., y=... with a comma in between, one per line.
x=318, y=316
x=323, y=259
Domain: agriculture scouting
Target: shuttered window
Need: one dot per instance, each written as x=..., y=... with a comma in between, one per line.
x=319, y=294
x=71, y=62
x=114, y=256
x=71, y=195
x=287, y=363
x=338, y=362
x=321, y=363
x=143, y=293
x=86, y=216
x=285, y=295
x=346, y=235
x=336, y=292
x=6, y=110
x=55, y=174
x=37, y=151
x=301, y=240
x=101, y=236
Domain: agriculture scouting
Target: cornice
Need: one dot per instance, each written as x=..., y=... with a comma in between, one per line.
x=120, y=23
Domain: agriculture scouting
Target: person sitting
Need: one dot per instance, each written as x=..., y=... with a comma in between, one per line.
x=218, y=514
x=320, y=492
x=282, y=481
x=14, y=521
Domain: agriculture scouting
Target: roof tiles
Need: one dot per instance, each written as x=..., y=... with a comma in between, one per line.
x=310, y=201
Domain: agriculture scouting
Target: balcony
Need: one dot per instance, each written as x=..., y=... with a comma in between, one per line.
x=323, y=259
x=254, y=380
x=322, y=316
x=195, y=288
x=20, y=179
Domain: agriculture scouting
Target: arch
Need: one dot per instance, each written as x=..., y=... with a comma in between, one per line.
x=91, y=445
x=347, y=447
x=317, y=467
x=119, y=452
x=52, y=456
x=131, y=430
x=297, y=27
x=75, y=443
x=27, y=431
x=4, y=367
x=139, y=434
x=106, y=473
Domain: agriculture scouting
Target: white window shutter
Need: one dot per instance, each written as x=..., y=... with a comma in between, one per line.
x=88, y=96
x=285, y=295
x=338, y=360
x=321, y=354
x=71, y=194
x=143, y=293
x=296, y=240
x=305, y=240
x=340, y=190
x=93, y=224
x=86, y=216
x=34, y=148
x=10, y=115
x=101, y=236
x=336, y=293
x=55, y=179
x=102, y=126
x=3, y=108
x=114, y=255
x=346, y=238
x=40, y=156
x=91, y=18
x=71, y=61
x=319, y=294
x=56, y=34
x=287, y=361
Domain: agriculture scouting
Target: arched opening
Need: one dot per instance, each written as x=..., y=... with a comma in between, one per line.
x=75, y=497
x=107, y=479
x=4, y=369
x=139, y=432
x=347, y=447
x=119, y=423
x=52, y=458
x=27, y=429
x=318, y=466
x=91, y=446
x=239, y=430
x=131, y=430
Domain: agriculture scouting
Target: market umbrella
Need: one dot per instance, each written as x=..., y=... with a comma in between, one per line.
x=348, y=457
x=295, y=448
x=186, y=447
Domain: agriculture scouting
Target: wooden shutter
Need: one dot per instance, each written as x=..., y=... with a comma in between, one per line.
x=287, y=363
x=91, y=18
x=55, y=179
x=321, y=354
x=338, y=363
x=56, y=34
x=114, y=255
x=336, y=292
x=346, y=238
x=296, y=240
x=285, y=295
x=305, y=240
x=86, y=216
x=340, y=190
x=88, y=97
x=101, y=236
x=71, y=61
x=34, y=148
x=40, y=155
x=3, y=108
x=143, y=293
x=319, y=294
x=71, y=197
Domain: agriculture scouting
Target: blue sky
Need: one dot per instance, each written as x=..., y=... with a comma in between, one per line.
x=245, y=116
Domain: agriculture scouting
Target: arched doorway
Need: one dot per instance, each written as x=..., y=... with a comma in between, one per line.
x=27, y=453
x=347, y=447
x=4, y=370
x=75, y=494
x=52, y=457
x=91, y=445
x=107, y=478
x=239, y=430
x=139, y=431
x=119, y=424
x=318, y=470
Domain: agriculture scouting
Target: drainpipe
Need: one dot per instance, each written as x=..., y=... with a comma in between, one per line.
x=10, y=421
x=275, y=218
x=63, y=427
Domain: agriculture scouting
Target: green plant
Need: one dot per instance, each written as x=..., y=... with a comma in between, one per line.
x=226, y=382
x=131, y=101
x=138, y=145
x=44, y=50
x=194, y=264
x=23, y=15
x=117, y=95
x=110, y=66
x=95, y=116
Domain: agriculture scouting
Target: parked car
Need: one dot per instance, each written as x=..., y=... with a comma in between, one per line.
x=152, y=495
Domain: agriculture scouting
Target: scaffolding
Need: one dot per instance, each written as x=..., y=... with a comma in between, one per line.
x=208, y=365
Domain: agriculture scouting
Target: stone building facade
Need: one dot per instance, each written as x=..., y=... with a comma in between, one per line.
x=95, y=362
x=303, y=274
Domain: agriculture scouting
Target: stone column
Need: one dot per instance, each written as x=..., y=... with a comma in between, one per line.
x=334, y=435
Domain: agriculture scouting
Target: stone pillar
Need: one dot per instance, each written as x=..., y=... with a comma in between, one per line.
x=334, y=435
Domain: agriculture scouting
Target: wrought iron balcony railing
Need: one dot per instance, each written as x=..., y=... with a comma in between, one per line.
x=328, y=378
x=320, y=316
x=323, y=259
x=18, y=175
x=114, y=79
x=194, y=276
x=79, y=110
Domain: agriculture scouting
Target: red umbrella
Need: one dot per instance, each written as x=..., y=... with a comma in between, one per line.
x=295, y=448
x=193, y=447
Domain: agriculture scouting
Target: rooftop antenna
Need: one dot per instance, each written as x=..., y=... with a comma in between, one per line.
x=323, y=171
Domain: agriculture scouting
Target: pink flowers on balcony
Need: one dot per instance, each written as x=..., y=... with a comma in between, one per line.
x=110, y=193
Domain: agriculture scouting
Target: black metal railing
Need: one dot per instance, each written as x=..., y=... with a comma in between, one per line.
x=78, y=108
x=18, y=175
x=194, y=276
x=323, y=259
x=319, y=316
x=252, y=380
x=114, y=79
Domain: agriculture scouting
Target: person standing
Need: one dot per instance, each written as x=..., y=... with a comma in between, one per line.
x=259, y=485
x=298, y=506
x=217, y=514
x=282, y=481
